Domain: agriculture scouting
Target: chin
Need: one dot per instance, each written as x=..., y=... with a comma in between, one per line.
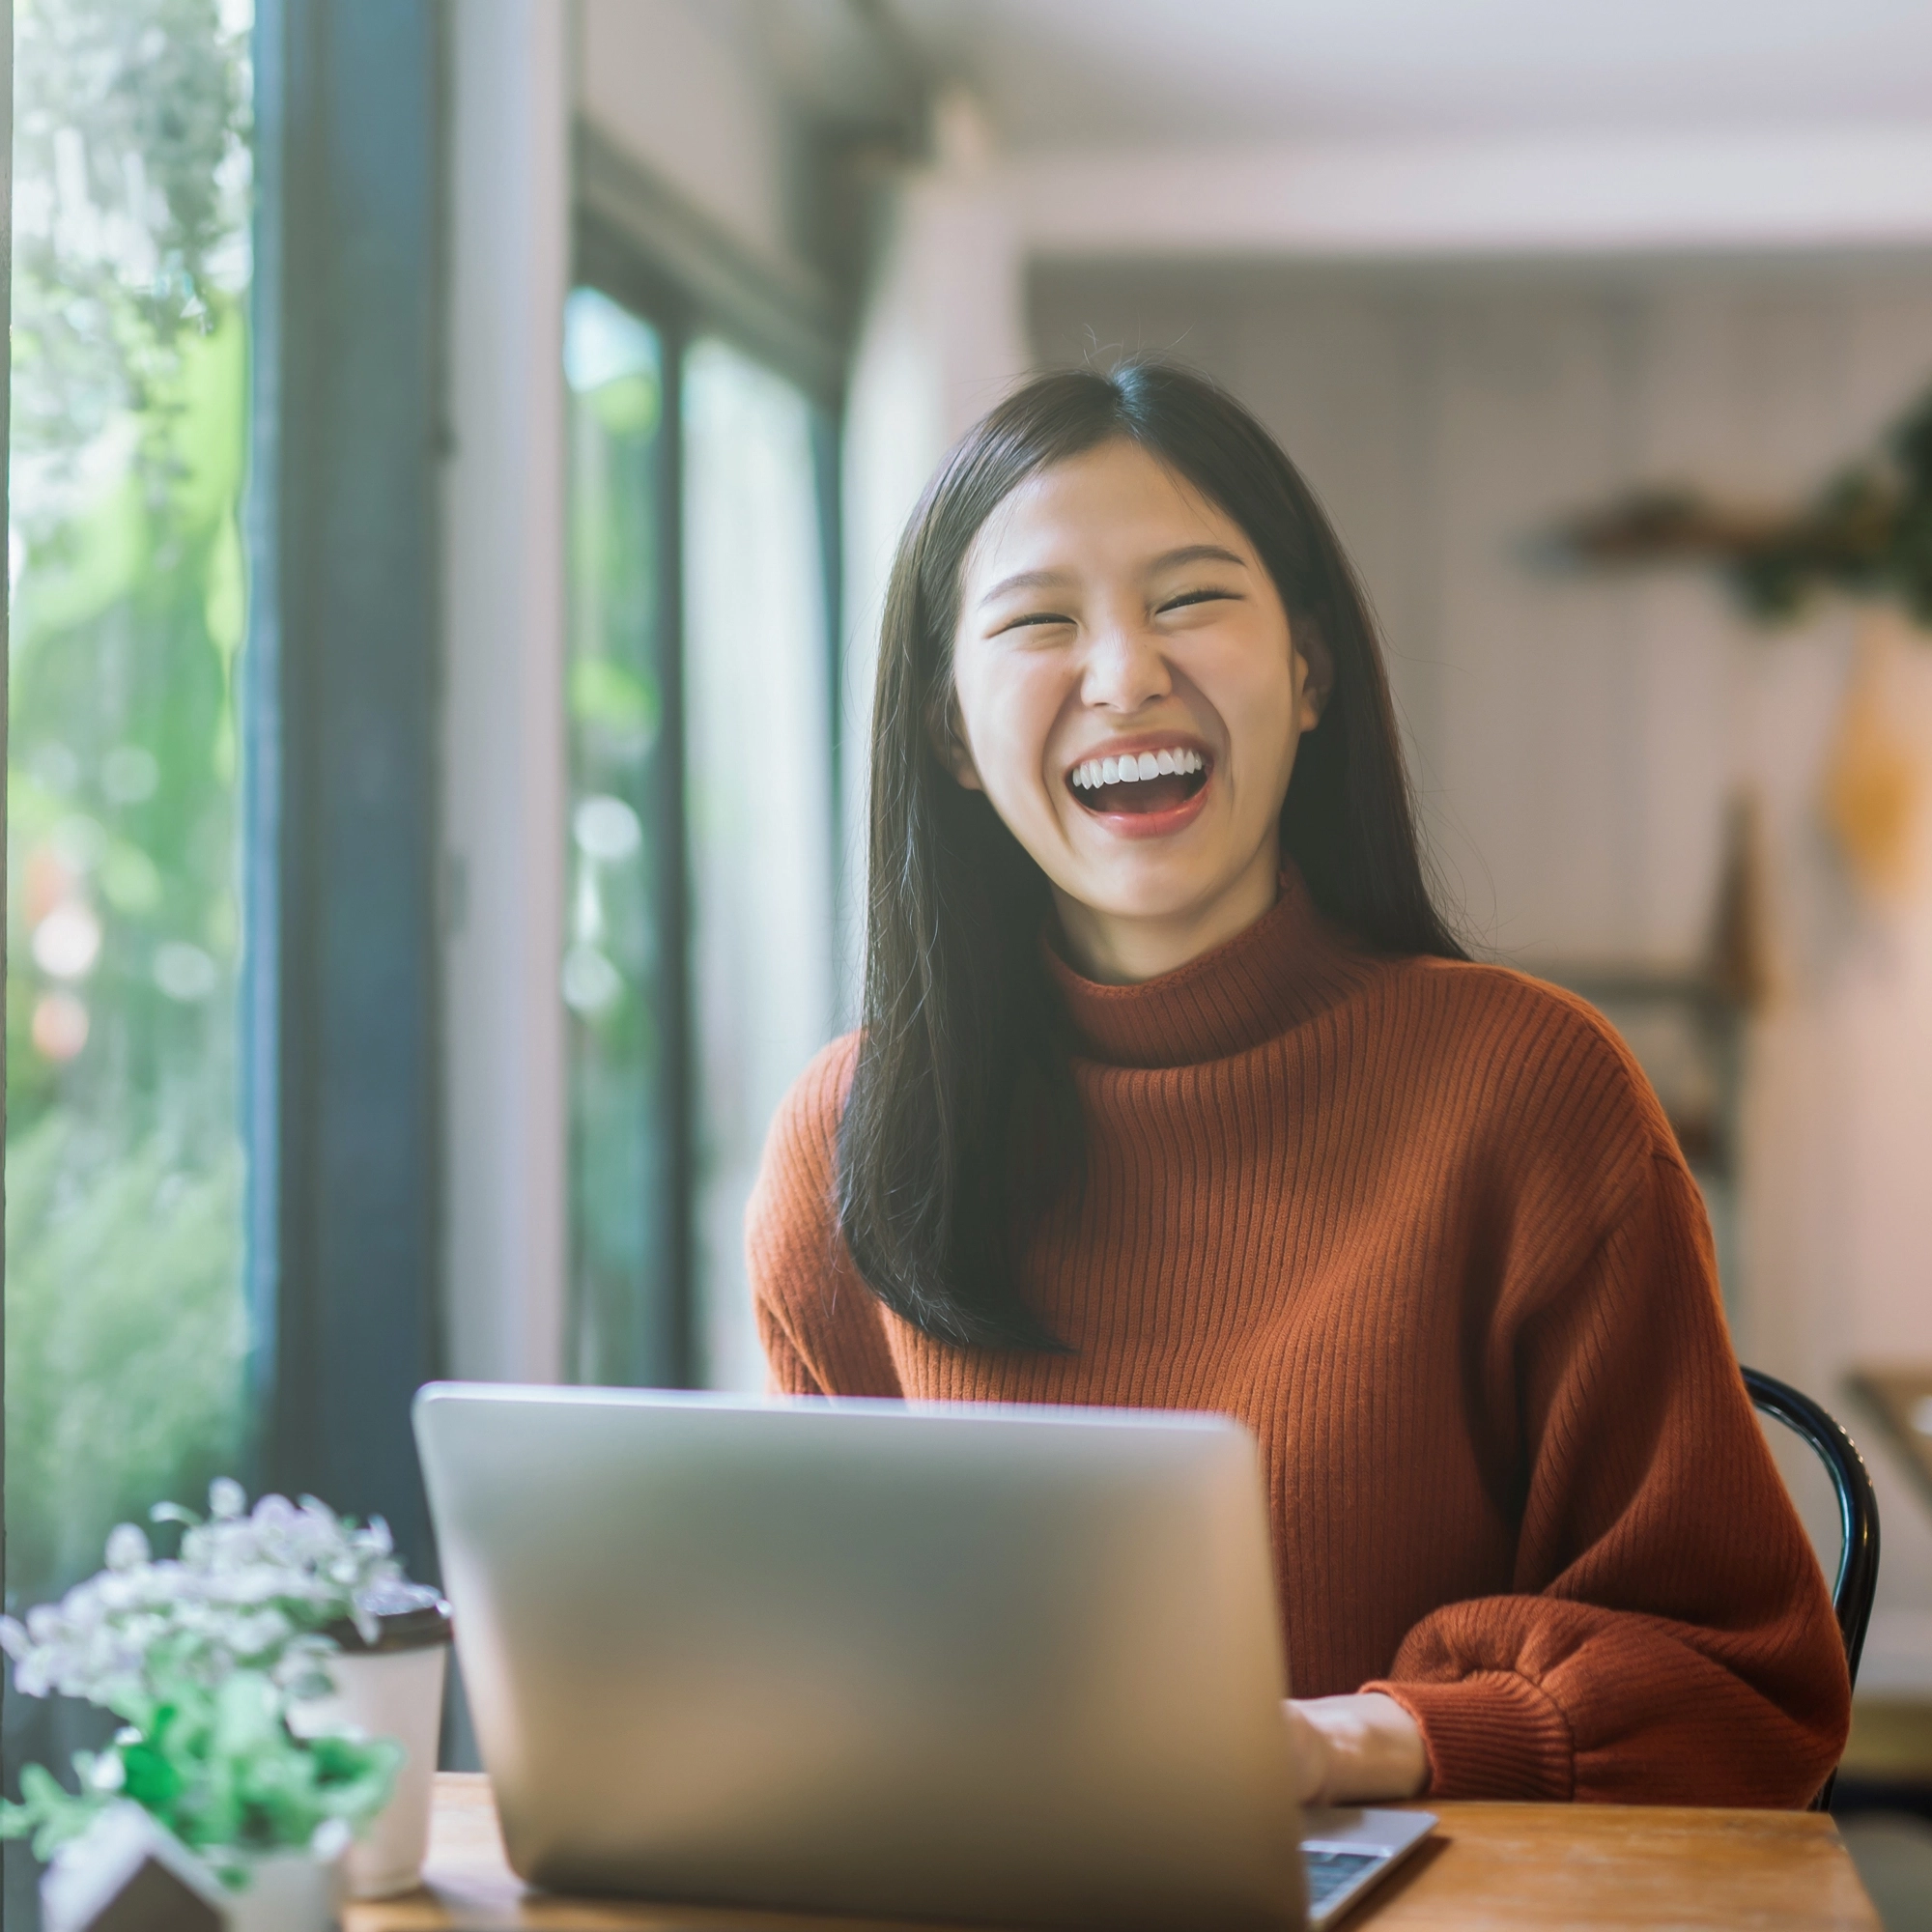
x=1155, y=889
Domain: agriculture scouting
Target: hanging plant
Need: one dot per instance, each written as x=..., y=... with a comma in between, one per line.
x=1867, y=532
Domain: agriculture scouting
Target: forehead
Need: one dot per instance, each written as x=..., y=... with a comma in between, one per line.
x=1111, y=508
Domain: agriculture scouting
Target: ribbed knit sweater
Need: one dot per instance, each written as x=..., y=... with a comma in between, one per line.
x=1423, y=1228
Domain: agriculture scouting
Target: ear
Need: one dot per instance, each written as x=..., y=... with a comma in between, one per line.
x=1318, y=669
x=949, y=743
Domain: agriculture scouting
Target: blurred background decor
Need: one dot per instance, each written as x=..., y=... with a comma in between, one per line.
x=1867, y=536
x=1868, y=533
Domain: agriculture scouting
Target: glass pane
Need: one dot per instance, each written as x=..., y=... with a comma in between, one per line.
x=759, y=753
x=125, y=1328
x=614, y=962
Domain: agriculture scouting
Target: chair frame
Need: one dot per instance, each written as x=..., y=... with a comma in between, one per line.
x=1857, y=1579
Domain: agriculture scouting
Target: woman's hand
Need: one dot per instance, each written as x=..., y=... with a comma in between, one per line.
x=1352, y=1750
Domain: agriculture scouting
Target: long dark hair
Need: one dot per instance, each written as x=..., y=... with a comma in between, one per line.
x=962, y=1119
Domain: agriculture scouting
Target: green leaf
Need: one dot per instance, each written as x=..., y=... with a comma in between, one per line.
x=151, y=1778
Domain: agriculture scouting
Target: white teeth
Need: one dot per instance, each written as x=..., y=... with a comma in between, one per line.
x=1094, y=773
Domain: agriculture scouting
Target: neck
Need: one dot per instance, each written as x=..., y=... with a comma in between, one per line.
x=1119, y=949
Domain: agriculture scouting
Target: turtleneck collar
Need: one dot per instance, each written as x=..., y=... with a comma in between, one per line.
x=1283, y=969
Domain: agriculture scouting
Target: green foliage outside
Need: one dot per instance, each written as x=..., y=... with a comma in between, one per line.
x=124, y=1332
x=125, y=1323
x=612, y=970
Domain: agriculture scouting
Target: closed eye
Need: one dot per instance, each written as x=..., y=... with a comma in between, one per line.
x=1188, y=597
x=1031, y=619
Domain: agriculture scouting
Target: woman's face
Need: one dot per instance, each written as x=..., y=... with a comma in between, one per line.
x=1114, y=621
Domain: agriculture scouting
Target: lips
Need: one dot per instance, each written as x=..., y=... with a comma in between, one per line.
x=1143, y=788
x=1139, y=783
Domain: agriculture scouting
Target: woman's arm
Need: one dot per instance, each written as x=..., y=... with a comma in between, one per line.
x=1356, y=1750
x=817, y=1321
x=1669, y=1638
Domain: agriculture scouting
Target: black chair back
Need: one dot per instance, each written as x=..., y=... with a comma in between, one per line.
x=1857, y=1581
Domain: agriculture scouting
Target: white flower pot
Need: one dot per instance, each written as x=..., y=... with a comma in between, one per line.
x=393, y=1693
x=391, y=1689
x=287, y=1891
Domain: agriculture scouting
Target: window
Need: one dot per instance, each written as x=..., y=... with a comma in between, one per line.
x=699, y=960
x=125, y=1321
x=219, y=1226
x=127, y=1324
x=621, y=922
x=759, y=792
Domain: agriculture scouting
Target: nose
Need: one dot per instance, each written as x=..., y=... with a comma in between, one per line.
x=1125, y=668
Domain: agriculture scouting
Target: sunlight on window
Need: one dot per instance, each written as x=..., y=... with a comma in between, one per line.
x=760, y=786
x=125, y=1328
x=612, y=968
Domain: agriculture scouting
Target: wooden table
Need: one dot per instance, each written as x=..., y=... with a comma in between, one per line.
x=1589, y=1867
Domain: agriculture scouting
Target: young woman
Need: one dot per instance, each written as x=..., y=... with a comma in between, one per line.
x=1174, y=1089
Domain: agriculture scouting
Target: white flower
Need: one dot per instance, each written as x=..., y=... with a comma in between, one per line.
x=264, y=1631
x=274, y=1512
x=246, y=1588
x=83, y=1608
x=119, y=1590
x=329, y=1841
x=126, y=1546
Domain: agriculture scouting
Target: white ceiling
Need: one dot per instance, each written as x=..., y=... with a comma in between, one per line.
x=1079, y=73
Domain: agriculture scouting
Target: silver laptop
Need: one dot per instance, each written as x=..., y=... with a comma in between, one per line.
x=1000, y=1666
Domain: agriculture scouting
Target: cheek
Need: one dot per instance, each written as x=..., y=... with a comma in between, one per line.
x=1008, y=710
x=1251, y=684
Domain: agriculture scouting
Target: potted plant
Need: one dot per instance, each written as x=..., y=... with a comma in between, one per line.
x=222, y=1667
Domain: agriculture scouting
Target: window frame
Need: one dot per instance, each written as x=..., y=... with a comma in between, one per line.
x=636, y=241
x=341, y=999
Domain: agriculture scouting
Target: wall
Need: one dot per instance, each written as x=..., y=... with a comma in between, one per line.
x=681, y=90
x=1576, y=737
x=943, y=336
x=502, y=740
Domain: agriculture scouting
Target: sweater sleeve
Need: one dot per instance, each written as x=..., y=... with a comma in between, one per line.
x=819, y=1321
x=1669, y=1638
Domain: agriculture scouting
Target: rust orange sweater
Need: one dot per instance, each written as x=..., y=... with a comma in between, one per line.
x=1423, y=1228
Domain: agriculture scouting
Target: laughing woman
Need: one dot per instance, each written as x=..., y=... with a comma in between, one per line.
x=1175, y=1090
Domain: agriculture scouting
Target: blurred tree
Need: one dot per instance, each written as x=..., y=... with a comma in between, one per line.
x=125, y=1319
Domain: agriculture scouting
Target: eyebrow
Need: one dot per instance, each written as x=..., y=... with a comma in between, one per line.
x=1171, y=559
x=1197, y=554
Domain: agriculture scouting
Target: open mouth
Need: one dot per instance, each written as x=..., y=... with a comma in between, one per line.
x=1143, y=783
